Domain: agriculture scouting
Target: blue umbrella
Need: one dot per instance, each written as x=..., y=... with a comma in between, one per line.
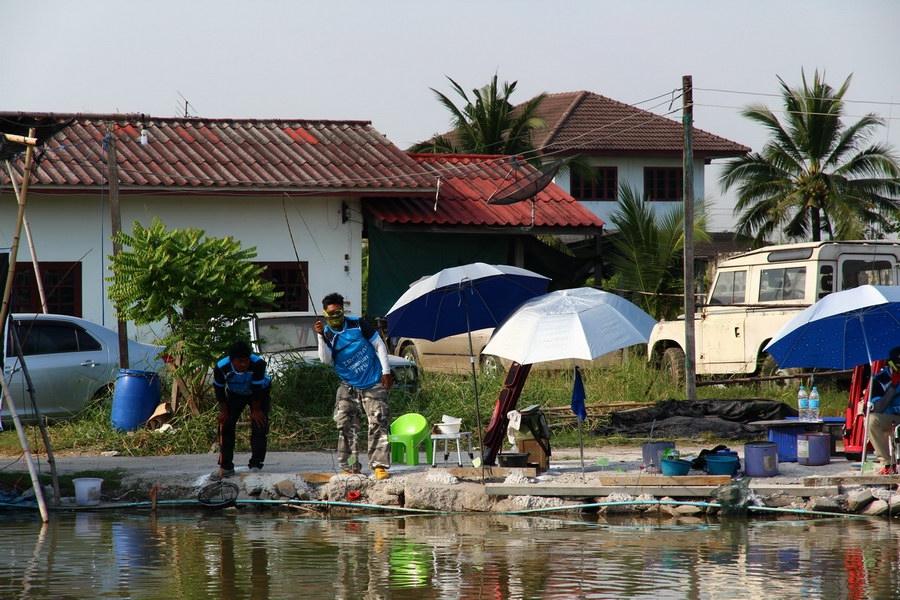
x=841, y=331
x=462, y=299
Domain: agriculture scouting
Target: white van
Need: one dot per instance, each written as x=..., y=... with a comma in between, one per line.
x=755, y=293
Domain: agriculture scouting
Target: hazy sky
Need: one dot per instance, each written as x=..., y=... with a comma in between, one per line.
x=376, y=60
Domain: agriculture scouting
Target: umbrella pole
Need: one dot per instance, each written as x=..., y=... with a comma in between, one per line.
x=862, y=454
x=475, y=388
x=581, y=445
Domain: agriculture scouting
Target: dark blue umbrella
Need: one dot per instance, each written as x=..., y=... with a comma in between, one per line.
x=462, y=299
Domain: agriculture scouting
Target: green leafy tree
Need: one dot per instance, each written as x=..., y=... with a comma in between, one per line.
x=815, y=174
x=648, y=252
x=203, y=288
x=486, y=123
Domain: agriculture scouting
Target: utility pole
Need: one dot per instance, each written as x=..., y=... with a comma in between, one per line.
x=687, y=121
x=116, y=218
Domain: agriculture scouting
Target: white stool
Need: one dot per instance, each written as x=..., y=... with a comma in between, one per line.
x=436, y=437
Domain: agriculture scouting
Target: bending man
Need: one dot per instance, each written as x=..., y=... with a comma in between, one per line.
x=240, y=380
x=360, y=359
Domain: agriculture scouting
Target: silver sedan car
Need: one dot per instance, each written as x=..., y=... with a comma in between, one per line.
x=70, y=360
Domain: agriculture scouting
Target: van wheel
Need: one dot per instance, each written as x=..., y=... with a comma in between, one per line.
x=672, y=364
x=769, y=368
x=409, y=353
x=491, y=366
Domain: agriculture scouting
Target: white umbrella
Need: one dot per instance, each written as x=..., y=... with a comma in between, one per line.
x=581, y=323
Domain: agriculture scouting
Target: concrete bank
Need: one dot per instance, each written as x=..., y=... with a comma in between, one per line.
x=613, y=478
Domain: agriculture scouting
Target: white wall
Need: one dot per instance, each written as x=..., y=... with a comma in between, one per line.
x=631, y=173
x=72, y=227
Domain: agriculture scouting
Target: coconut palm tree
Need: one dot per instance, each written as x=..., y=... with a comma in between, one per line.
x=486, y=123
x=815, y=174
x=648, y=252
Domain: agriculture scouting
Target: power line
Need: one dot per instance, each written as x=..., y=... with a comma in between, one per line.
x=773, y=95
x=796, y=112
x=647, y=115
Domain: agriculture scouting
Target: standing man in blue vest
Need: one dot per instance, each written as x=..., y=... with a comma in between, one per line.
x=240, y=380
x=360, y=359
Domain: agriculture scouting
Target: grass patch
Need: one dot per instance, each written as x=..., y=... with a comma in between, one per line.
x=303, y=399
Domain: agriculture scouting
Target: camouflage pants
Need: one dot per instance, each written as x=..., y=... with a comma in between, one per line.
x=349, y=403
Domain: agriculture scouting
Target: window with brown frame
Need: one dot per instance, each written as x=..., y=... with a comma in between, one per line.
x=62, y=285
x=603, y=185
x=291, y=282
x=663, y=184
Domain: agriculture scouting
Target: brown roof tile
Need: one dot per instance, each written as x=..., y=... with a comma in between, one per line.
x=590, y=123
x=239, y=154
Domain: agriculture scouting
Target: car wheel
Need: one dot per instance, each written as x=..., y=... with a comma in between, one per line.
x=672, y=364
x=409, y=353
x=491, y=366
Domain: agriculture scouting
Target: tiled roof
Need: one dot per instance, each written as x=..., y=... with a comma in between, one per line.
x=234, y=154
x=591, y=123
x=467, y=182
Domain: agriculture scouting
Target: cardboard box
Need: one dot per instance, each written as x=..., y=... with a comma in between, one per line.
x=535, y=453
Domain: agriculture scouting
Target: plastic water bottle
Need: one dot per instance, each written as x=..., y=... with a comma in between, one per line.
x=813, y=404
x=803, y=404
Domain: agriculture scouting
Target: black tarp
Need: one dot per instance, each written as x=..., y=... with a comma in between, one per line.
x=724, y=419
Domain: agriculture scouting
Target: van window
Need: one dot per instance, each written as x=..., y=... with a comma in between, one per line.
x=855, y=273
x=730, y=288
x=776, y=285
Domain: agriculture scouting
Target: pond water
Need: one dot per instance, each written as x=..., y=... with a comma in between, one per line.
x=261, y=555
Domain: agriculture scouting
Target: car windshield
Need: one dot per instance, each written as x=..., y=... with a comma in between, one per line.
x=286, y=334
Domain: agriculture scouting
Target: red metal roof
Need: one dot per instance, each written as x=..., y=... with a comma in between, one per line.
x=591, y=123
x=233, y=154
x=467, y=182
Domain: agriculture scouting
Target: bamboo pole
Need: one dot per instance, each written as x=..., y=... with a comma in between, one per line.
x=34, y=258
x=4, y=311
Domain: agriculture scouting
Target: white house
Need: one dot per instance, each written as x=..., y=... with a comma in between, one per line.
x=625, y=145
x=255, y=180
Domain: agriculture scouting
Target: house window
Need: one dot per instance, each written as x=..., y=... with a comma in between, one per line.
x=62, y=285
x=603, y=185
x=663, y=183
x=290, y=279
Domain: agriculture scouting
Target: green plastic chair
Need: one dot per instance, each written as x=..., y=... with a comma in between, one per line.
x=408, y=432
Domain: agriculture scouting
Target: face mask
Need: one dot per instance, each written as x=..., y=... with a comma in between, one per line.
x=334, y=319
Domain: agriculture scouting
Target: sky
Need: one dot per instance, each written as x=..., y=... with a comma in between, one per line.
x=376, y=61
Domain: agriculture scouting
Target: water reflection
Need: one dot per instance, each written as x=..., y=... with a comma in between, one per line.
x=261, y=555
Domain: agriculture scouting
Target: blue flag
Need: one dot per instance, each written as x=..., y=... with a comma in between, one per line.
x=578, y=397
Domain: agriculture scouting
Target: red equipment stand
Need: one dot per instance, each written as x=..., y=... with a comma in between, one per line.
x=855, y=414
x=506, y=401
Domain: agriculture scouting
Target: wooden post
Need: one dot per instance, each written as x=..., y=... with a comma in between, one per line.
x=4, y=312
x=34, y=259
x=687, y=119
x=116, y=219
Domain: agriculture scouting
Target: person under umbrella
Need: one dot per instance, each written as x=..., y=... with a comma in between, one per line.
x=884, y=411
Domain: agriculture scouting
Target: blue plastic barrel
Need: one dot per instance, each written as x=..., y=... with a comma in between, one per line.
x=761, y=459
x=814, y=449
x=136, y=397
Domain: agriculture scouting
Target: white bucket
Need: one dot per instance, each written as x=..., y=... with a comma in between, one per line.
x=87, y=490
